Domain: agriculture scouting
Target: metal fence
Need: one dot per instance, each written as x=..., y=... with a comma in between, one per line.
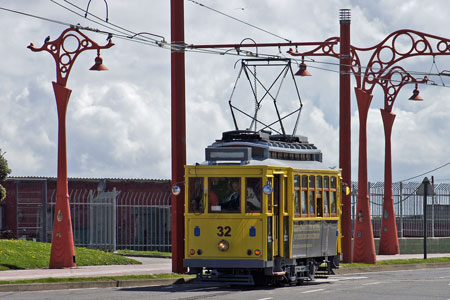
x=102, y=220
x=408, y=208
x=115, y=220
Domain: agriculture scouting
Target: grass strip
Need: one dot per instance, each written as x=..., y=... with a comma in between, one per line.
x=399, y=262
x=144, y=253
x=105, y=278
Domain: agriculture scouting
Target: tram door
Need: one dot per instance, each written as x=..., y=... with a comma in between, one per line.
x=278, y=183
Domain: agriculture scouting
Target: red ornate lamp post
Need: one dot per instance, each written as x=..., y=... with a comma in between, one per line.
x=391, y=83
x=65, y=49
x=385, y=54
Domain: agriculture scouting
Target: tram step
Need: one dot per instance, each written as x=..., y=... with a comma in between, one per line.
x=321, y=275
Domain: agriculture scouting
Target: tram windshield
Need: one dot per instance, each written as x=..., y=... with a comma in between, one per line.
x=195, y=195
x=224, y=195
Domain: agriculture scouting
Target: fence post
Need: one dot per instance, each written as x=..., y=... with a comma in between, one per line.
x=114, y=220
x=91, y=218
x=44, y=211
x=432, y=207
x=401, y=209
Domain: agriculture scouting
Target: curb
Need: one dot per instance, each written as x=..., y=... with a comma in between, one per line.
x=27, y=287
x=144, y=255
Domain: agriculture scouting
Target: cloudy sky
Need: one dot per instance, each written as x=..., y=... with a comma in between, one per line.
x=118, y=122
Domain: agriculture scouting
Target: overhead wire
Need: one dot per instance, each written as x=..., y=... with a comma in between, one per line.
x=207, y=51
x=238, y=20
x=119, y=28
x=78, y=26
x=115, y=28
x=422, y=174
x=124, y=34
x=34, y=16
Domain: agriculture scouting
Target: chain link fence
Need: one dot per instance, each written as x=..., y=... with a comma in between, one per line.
x=408, y=208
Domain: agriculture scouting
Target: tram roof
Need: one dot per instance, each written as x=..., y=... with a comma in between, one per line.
x=311, y=165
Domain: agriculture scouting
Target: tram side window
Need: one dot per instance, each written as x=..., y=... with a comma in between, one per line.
x=319, y=196
x=285, y=197
x=195, y=195
x=297, y=195
x=304, y=195
x=253, y=195
x=269, y=197
x=326, y=195
x=297, y=202
x=333, y=195
x=224, y=194
x=312, y=196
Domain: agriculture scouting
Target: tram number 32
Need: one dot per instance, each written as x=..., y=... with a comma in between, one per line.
x=224, y=231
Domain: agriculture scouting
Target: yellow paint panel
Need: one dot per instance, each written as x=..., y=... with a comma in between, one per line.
x=235, y=231
x=225, y=170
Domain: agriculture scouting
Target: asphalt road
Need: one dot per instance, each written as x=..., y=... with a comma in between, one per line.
x=409, y=285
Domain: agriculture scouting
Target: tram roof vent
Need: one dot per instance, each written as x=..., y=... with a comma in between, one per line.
x=289, y=138
x=245, y=135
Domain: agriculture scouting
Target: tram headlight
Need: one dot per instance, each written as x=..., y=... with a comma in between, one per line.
x=257, y=252
x=192, y=252
x=223, y=245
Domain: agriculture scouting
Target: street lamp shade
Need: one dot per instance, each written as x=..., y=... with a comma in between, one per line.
x=98, y=66
x=303, y=71
x=416, y=96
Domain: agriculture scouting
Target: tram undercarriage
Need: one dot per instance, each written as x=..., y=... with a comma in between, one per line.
x=284, y=271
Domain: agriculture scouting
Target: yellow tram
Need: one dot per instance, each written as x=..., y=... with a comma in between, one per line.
x=261, y=209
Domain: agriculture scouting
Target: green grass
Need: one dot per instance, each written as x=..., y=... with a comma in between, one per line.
x=105, y=278
x=17, y=254
x=400, y=262
x=145, y=253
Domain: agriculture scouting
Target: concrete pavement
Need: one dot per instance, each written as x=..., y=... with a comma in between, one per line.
x=150, y=265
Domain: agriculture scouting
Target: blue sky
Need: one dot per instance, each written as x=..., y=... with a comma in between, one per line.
x=118, y=122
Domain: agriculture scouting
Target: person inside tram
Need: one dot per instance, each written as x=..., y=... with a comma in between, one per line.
x=232, y=202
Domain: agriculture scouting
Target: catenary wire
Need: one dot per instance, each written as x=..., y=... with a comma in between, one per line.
x=435, y=169
x=119, y=28
x=110, y=26
x=236, y=19
x=124, y=36
x=202, y=51
x=34, y=16
x=187, y=49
